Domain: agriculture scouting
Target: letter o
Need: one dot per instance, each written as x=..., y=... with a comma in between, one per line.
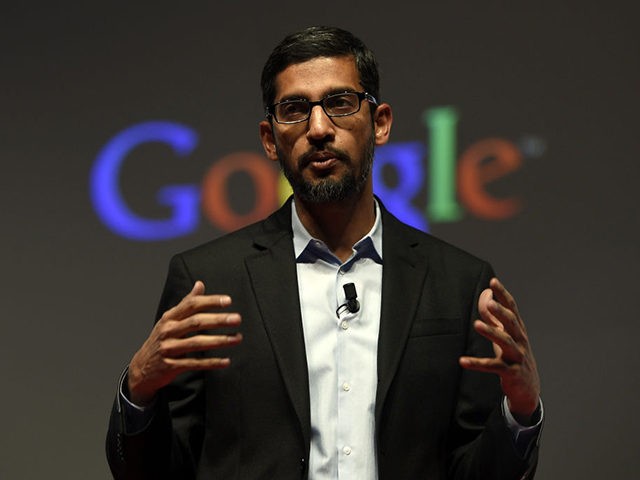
x=215, y=203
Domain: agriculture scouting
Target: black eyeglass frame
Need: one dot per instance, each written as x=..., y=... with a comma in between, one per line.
x=271, y=109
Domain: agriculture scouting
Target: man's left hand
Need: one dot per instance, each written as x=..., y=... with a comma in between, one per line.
x=514, y=362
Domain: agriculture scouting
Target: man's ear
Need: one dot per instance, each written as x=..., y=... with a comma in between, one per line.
x=268, y=140
x=382, y=120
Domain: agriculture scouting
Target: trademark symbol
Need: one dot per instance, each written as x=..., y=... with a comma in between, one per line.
x=532, y=146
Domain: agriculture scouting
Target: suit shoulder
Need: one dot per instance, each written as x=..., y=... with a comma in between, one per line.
x=448, y=249
x=425, y=241
x=232, y=242
x=244, y=241
x=435, y=249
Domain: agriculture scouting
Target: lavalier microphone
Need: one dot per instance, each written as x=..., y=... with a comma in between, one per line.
x=352, y=304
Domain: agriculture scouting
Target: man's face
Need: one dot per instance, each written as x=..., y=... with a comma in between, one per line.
x=325, y=159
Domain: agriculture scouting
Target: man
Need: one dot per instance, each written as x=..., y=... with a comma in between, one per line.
x=332, y=340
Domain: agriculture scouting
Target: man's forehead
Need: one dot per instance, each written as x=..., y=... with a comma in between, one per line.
x=318, y=76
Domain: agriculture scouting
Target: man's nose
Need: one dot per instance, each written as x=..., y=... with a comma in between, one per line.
x=320, y=124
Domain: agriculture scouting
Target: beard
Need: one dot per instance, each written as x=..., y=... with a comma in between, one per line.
x=329, y=190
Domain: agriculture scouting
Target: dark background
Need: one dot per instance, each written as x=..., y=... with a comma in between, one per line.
x=77, y=299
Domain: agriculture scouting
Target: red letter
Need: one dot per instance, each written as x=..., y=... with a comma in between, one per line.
x=482, y=163
x=214, y=190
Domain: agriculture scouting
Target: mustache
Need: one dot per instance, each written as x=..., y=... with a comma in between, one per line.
x=313, y=153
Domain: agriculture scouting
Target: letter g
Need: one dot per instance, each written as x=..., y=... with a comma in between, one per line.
x=107, y=198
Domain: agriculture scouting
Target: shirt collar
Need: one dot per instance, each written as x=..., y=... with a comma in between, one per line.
x=308, y=249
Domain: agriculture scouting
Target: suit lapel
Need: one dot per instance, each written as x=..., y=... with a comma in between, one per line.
x=274, y=279
x=403, y=278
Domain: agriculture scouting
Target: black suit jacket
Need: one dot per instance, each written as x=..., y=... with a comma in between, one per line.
x=433, y=419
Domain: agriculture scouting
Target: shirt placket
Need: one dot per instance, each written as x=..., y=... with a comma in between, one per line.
x=347, y=321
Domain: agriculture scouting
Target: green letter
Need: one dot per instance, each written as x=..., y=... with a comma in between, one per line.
x=441, y=123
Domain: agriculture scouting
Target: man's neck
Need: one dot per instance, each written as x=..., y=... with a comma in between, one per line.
x=338, y=224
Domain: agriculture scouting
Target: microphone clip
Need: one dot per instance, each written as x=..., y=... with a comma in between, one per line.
x=352, y=304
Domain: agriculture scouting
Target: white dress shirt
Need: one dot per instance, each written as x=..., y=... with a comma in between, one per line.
x=341, y=349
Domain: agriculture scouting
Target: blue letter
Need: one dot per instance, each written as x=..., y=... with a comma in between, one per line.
x=406, y=159
x=105, y=191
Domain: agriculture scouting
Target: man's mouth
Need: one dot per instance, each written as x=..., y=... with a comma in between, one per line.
x=323, y=163
x=323, y=160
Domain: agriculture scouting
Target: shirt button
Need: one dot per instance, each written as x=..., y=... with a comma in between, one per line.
x=346, y=450
x=340, y=272
x=344, y=325
x=346, y=387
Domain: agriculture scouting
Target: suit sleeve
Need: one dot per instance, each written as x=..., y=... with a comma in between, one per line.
x=166, y=447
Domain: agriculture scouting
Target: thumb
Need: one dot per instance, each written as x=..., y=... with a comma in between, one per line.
x=198, y=288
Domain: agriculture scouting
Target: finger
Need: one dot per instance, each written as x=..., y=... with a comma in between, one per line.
x=502, y=295
x=488, y=365
x=175, y=348
x=483, y=308
x=510, y=353
x=505, y=298
x=198, y=288
x=508, y=319
x=199, y=322
x=196, y=301
x=188, y=364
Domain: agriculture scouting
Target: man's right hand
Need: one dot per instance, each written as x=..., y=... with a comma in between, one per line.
x=162, y=356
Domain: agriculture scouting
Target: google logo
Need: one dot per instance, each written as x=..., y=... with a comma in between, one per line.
x=454, y=185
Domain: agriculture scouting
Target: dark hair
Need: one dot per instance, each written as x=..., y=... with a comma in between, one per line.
x=313, y=42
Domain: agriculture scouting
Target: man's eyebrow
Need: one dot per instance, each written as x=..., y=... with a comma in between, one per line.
x=292, y=97
x=331, y=91
x=337, y=90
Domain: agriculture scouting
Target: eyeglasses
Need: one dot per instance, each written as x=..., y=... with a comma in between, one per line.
x=335, y=105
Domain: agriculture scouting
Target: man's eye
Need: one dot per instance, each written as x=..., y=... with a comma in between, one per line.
x=293, y=108
x=342, y=102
